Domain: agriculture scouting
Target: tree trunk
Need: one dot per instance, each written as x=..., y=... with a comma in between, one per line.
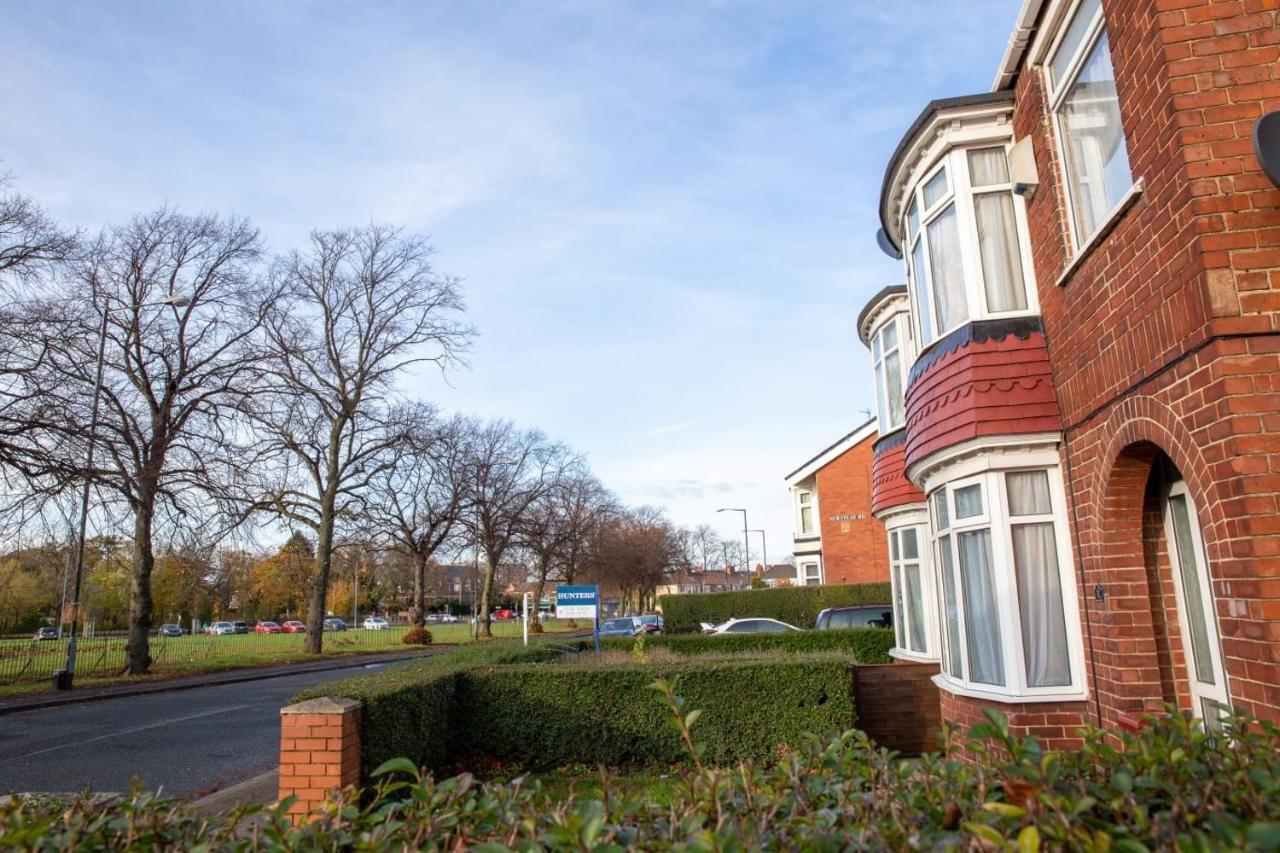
x=544, y=566
x=419, y=590
x=320, y=577
x=138, y=649
x=483, y=627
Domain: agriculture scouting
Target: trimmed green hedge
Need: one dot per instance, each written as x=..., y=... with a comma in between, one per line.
x=550, y=715
x=865, y=645
x=796, y=605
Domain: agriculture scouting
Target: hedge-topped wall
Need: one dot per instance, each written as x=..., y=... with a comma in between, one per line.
x=796, y=605
x=864, y=645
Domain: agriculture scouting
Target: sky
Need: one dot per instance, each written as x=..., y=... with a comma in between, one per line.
x=663, y=212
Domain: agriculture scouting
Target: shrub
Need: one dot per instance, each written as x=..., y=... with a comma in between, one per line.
x=796, y=605
x=1170, y=787
x=416, y=637
x=865, y=645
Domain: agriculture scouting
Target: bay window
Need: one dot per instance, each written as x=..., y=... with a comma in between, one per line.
x=1086, y=110
x=913, y=607
x=998, y=539
x=965, y=240
x=887, y=355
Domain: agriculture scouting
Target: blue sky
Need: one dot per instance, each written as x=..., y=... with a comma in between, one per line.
x=663, y=211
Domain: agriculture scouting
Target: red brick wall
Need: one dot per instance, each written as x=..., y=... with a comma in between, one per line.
x=998, y=387
x=1164, y=339
x=319, y=752
x=898, y=707
x=854, y=547
x=1055, y=724
x=889, y=484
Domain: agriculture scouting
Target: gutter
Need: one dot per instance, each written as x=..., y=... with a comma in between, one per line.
x=1019, y=40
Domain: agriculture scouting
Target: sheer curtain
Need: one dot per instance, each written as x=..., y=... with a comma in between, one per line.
x=981, y=619
x=1001, y=255
x=1035, y=560
x=948, y=274
x=915, y=604
x=950, y=608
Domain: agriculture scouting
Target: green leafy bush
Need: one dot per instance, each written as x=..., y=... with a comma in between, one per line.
x=416, y=637
x=865, y=645
x=796, y=605
x=1170, y=787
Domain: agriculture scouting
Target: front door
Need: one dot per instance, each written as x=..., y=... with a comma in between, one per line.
x=1196, y=612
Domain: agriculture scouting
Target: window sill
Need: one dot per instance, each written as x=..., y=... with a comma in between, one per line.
x=1065, y=695
x=914, y=657
x=1108, y=225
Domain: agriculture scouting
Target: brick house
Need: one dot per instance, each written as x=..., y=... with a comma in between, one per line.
x=837, y=539
x=1078, y=465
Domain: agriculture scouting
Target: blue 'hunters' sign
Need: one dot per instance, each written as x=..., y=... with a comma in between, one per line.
x=577, y=602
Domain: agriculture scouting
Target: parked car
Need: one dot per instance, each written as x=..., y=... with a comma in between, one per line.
x=333, y=623
x=874, y=616
x=622, y=626
x=293, y=626
x=267, y=628
x=375, y=623
x=46, y=633
x=241, y=627
x=220, y=628
x=504, y=613
x=652, y=623
x=169, y=630
x=447, y=618
x=755, y=625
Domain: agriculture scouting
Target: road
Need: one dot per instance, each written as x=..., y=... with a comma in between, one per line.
x=185, y=742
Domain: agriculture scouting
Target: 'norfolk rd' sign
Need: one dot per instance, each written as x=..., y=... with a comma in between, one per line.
x=577, y=602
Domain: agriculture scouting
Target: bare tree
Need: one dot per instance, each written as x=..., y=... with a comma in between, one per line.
x=632, y=552
x=558, y=524
x=171, y=375
x=417, y=499
x=30, y=241
x=356, y=309
x=511, y=470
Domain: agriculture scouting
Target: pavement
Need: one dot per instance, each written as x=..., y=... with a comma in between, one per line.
x=189, y=742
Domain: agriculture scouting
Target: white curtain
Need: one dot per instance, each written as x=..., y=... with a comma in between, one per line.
x=1044, y=627
x=1028, y=492
x=915, y=605
x=1000, y=253
x=950, y=611
x=948, y=274
x=899, y=625
x=893, y=389
x=981, y=619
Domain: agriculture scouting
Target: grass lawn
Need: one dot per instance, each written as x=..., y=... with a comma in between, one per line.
x=27, y=666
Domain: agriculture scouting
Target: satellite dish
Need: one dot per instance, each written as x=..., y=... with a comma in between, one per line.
x=1266, y=144
x=886, y=245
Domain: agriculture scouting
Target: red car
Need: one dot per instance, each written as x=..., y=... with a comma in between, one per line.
x=293, y=626
x=504, y=613
x=267, y=628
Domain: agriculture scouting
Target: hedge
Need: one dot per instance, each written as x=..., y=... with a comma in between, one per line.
x=551, y=715
x=795, y=605
x=864, y=645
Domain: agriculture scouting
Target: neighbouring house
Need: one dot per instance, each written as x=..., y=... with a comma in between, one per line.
x=1078, y=464
x=837, y=538
x=779, y=574
x=710, y=580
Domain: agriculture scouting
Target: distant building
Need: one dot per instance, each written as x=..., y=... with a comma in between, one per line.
x=837, y=539
x=711, y=580
x=781, y=574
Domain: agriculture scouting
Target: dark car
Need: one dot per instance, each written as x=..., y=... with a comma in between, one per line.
x=46, y=633
x=873, y=616
x=241, y=627
x=622, y=626
x=652, y=623
x=333, y=623
x=169, y=630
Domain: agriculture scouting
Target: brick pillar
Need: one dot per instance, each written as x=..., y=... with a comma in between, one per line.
x=319, y=751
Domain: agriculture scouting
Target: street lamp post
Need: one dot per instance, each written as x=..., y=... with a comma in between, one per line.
x=746, y=543
x=64, y=678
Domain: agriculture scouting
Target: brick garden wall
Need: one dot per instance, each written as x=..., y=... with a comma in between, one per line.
x=898, y=706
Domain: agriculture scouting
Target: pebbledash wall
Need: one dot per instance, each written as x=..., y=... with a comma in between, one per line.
x=1079, y=460
x=838, y=538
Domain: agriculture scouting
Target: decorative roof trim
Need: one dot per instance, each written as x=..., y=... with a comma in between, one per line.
x=881, y=299
x=890, y=441
x=976, y=332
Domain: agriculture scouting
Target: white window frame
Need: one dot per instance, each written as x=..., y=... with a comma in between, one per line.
x=997, y=518
x=1056, y=93
x=879, y=360
x=801, y=506
x=802, y=573
x=961, y=192
x=894, y=526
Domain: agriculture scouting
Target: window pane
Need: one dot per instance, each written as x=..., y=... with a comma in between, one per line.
x=915, y=606
x=913, y=222
x=1097, y=161
x=893, y=546
x=806, y=497
x=898, y=594
x=1028, y=492
x=1001, y=255
x=806, y=519
x=890, y=335
x=969, y=501
x=875, y=348
x=950, y=608
x=919, y=277
x=940, y=517
x=981, y=620
x=1189, y=570
x=1071, y=41
x=1044, y=627
x=881, y=407
x=910, y=549
x=988, y=166
x=893, y=389
x=948, y=273
x=935, y=189
x=840, y=619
